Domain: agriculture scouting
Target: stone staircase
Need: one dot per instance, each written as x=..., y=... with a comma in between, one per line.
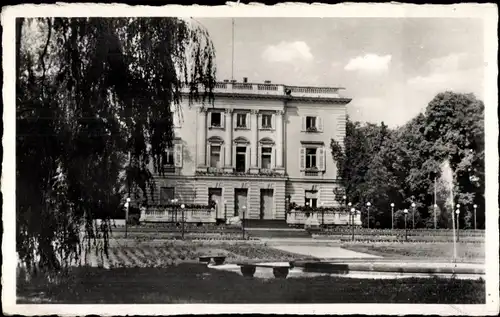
x=273, y=229
x=277, y=233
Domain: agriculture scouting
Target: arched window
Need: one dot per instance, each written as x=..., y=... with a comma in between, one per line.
x=267, y=155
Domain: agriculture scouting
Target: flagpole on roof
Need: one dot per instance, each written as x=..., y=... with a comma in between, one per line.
x=232, y=48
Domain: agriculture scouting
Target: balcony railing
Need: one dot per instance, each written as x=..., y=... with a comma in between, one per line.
x=175, y=214
x=299, y=217
x=272, y=89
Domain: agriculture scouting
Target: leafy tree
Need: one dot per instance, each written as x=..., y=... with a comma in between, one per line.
x=455, y=130
x=94, y=104
x=400, y=166
x=362, y=167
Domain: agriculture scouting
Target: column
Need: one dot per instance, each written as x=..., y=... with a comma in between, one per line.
x=202, y=138
x=254, y=142
x=279, y=140
x=228, y=142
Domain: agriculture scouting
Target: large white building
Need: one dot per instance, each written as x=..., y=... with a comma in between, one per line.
x=258, y=143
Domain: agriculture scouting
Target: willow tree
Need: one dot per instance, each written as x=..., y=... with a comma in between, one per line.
x=95, y=98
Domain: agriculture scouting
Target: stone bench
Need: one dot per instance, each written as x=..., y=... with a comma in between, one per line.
x=280, y=270
x=218, y=259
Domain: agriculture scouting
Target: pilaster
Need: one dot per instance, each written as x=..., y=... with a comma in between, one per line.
x=279, y=141
x=228, y=154
x=254, y=168
x=201, y=164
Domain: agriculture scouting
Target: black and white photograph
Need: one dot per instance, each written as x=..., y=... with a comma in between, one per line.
x=340, y=158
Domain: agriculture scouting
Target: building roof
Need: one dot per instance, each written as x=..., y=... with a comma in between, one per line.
x=244, y=90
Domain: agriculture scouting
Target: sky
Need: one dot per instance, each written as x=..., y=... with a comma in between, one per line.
x=390, y=67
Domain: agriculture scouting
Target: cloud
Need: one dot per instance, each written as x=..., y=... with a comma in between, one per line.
x=447, y=63
x=288, y=52
x=369, y=62
x=452, y=72
x=336, y=64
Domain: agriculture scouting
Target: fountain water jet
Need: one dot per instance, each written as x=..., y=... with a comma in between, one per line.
x=448, y=179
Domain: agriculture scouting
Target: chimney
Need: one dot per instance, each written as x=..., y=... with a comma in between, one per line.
x=267, y=81
x=245, y=79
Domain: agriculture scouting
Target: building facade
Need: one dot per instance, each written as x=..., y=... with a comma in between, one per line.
x=255, y=146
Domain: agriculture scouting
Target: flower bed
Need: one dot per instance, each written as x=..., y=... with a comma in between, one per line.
x=188, y=227
x=168, y=253
x=437, y=250
x=400, y=237
x=192, y=236
x=390, y=232
x=399, y=240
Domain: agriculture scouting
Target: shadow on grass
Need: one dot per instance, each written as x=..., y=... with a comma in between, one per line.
x=194, y=283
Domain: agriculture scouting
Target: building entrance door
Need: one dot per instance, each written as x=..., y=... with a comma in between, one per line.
x=240, y=200
x=215, y=195
x=266, y=203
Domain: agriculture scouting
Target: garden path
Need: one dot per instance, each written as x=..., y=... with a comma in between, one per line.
x=322, y=251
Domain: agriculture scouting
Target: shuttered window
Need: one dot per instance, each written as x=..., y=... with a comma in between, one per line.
x=178, y=155
x=312, y=124
x=312, y=158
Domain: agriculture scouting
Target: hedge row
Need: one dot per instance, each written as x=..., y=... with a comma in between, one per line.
x=426, y=232
x=357, y=240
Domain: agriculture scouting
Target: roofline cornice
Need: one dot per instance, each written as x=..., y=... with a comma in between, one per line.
x=336, y=100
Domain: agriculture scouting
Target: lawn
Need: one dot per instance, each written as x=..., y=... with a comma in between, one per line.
x=466, y=252
x=162, y=253
x=195, y=283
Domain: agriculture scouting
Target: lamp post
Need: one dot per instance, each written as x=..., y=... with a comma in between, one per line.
x=435, y=216
x=322, y=215
x=413, y=205
x=406, y=227
x=172, y=201
x=225, y=211
x=475, y=207
x=457, y=212
x=348, y=211
x=392, y=216
x=352, y=215
x=243, y=222
x=175, y=208
x=368, y=205
x=287, y=206
x=344, y=199
x=183, y=220
x=127, y=206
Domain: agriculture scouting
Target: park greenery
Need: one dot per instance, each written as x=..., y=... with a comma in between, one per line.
x=383, y=166
x=94, y=104
x=94, y=101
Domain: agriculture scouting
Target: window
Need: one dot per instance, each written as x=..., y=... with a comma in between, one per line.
x=311, y=124
x=241, y=153
x=168, y=157
x=266, y=157
x=215, y=155
x=266, y=121
x=216, y=120
x=166, y=195
x=241, y=120
x=310, y=158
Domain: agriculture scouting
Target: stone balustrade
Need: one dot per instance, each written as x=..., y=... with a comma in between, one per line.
x=273, y=89
x=161, y=214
